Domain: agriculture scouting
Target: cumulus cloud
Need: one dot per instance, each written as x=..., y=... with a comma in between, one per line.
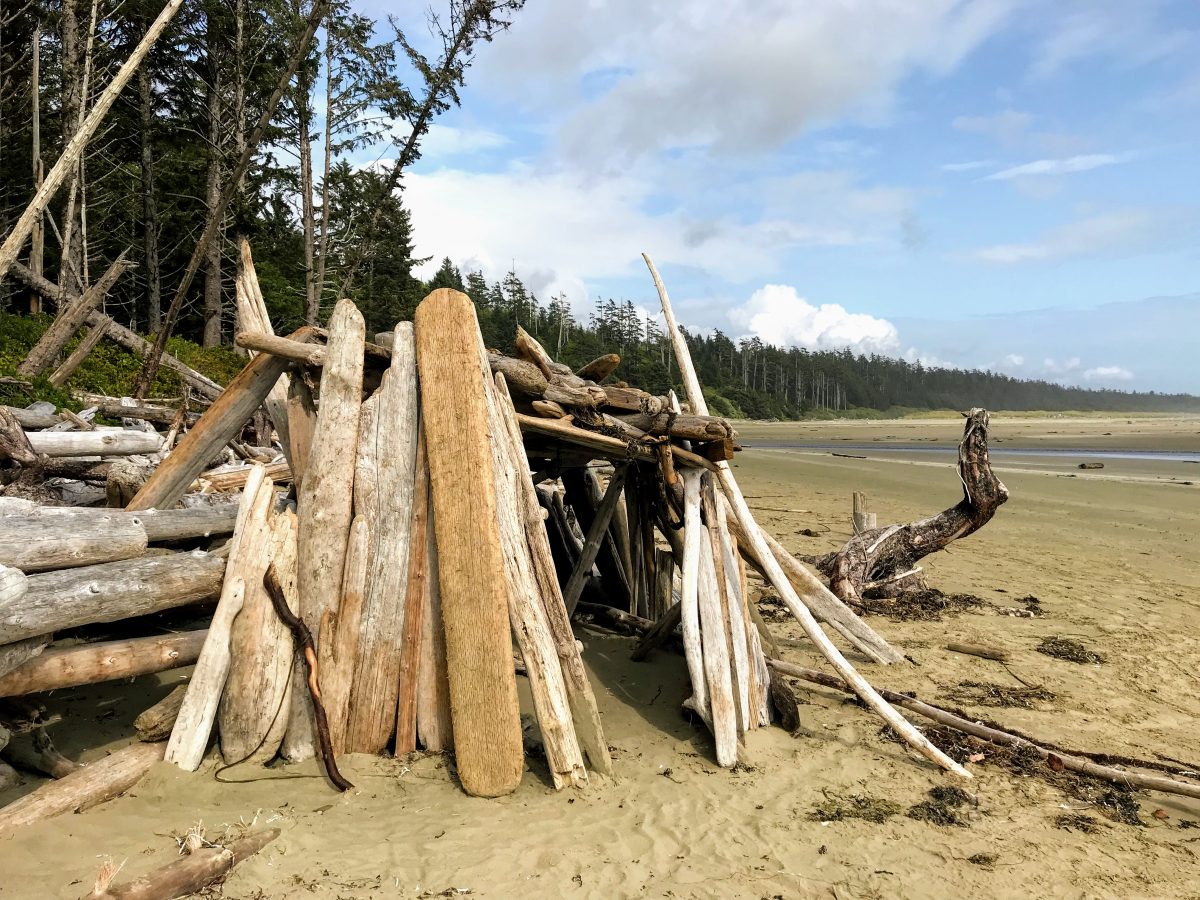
x=1108, y=373
x=1014, y=359
x=1120, y=231
x=777, y=314
x=1067, y=166
x=738, y=76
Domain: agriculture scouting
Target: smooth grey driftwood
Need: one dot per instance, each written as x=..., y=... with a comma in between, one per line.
x=39, y=543
x=94, y=443
x=109, y=592
x=13, y=587
x=160, y=525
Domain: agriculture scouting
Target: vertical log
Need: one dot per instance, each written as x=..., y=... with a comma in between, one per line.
x=731, y=608
x=261, y=645
x=689, y=595
x=326, y=495
x=434, y=727
x=717, y=671
x=416, y=596
x=302, y=421
x=483, y=687
x=193, y=727
x=376, y=687
x=253, y=317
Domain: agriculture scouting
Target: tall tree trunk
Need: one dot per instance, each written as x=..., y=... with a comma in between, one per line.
x=149, y=206
x=323, y=255
x=312, y=294
x=72, y=104
x=36, y=243
x=212, y=257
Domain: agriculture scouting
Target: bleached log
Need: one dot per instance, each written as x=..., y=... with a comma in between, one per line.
x=37, y=543
x=483, y=687
x=233, y=478
x=188, y=875
x=160, y=525
x=302, y=421
x=305, y=354
x=732, y=613
x=376, y=688
x=324, y=505
x=193, y=726
x=29, y=419
x=155, y=723
x=113, y=407
x=601, y=445
x=64, y=667
x=13, y=587
x=261, y=656
x=689, y=596
x=338, y=645
x=527, y=612
x=599, y=368
x=589, y=732
x=91, y=785
x=94, y=443
x=110, y=591
x=775, y=574
x=715, y=641
x=208, y=437
x=253, y=317
x=687, y=427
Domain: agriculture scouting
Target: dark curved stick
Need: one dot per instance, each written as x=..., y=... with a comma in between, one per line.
x=305, y=642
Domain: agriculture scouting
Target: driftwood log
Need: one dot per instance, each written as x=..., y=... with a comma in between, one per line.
x=885, y=558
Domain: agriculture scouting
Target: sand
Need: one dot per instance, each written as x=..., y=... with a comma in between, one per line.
x=1112, y=559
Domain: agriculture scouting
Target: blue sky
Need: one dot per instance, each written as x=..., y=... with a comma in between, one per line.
x=1003, y=184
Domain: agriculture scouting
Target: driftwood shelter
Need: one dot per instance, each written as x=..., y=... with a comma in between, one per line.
x=418, y=520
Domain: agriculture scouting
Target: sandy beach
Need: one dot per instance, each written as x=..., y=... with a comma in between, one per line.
x=1111, y=556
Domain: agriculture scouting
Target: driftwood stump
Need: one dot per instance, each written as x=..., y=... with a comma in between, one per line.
x=883, y=560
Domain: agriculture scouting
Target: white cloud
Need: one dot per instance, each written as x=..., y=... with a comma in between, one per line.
x=1120, y=231
x=969, y=166
x=1129, y=33
x=1108, y=373
x=778, y=315
x=1007, y=127
x=1067, y=166
x=1014, y=359
x=1054, y=367
x=443, y=141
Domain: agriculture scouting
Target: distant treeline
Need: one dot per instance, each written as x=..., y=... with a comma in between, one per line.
x=748, y=378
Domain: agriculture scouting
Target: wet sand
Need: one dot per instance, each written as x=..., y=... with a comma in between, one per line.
x=1112, y=559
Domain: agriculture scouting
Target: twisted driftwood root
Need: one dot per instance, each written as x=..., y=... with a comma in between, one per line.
x=884, y=560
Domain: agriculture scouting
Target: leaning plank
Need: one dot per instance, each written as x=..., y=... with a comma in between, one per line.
x=188, y=875
x=105, y=661
x=338, y=645
x=193, y=727
x=434, y=727
x=93, y=784
x=527, y=611
x=94, y=443
x=260, y=646
x=37, y=543
x=483, y=684
x=589, y=731
x=714, y=633
x=376, y=688
x=220, y=424
x=326, y=494
x=111, y=591
x=689, y=595
x=416, y=597
x=774, y=573
x=69, y=320
x=81, y=352
x=302, y=421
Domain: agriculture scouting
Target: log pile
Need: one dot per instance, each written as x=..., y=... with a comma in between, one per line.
x=426, y=513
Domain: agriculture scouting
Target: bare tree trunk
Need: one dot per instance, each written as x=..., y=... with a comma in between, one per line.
x=72, y=103
x=212, y=255
x=36, y=245
x=312, y=294
x=326, y=165
x=149, y=205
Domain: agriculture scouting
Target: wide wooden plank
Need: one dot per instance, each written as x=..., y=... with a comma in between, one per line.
x=483, y=688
